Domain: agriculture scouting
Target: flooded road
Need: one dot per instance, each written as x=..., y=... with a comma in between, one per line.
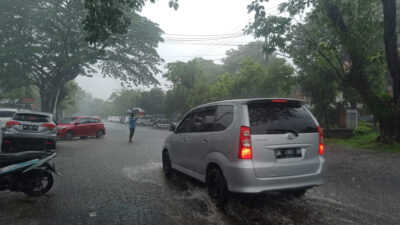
x=109, y=181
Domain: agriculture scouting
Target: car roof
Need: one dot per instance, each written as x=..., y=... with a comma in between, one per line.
x=34, y=112
x=81, y=117
x=244, y=101
x=9, y=109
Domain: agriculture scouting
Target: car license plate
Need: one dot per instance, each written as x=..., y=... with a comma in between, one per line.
x=30, y=127
x=287, y=153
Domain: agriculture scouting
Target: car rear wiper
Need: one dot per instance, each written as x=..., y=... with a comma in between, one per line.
x=282, y=131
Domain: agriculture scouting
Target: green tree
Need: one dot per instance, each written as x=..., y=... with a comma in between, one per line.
x=70, y=94
x=393, y=61
x=252, y=50
x=124, y=100
x=176, y=100
x=153, y=101
x=256, y=80
x=43, y=42
x=94, y=106
x=106, y=18
x=210, y=70
x=351, y=47
x=192, y=86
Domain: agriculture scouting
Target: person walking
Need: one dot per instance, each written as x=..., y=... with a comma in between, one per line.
x=132, y=126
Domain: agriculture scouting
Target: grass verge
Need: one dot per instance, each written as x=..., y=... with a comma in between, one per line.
x=364, y=141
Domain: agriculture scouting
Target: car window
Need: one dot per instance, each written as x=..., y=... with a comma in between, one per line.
x=278, y=118
x=84, y=121
x=32, y=117
x=91, y=120
x=223, y=117
x=5, y=114
x=187, y=124
x=204, y=119
x=68, y=120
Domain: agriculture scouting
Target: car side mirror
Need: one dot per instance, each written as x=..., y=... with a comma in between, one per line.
x=172, y=128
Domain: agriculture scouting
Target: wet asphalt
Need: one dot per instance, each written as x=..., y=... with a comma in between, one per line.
x=109, y=181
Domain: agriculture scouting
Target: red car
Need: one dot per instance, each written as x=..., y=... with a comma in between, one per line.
x=80, y=126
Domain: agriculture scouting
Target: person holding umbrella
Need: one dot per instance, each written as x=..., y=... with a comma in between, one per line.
x=132, y=126
x=132, y=120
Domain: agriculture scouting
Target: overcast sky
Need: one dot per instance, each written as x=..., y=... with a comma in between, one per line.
x=194, y=20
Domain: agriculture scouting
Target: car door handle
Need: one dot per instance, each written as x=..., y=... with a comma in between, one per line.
x=206, y=140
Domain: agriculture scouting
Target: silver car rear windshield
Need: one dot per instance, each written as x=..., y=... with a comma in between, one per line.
x=31, y=117
x=280, y=118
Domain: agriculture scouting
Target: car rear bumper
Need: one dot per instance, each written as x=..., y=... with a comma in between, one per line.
x=15, y=142
x=242, y=179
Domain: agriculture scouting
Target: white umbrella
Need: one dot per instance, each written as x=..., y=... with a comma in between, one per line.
x=136, y=111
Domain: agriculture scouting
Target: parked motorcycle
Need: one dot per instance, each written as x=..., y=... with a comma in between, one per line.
x=29, y=172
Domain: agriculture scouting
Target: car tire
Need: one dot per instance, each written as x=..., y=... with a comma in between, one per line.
x=217, y=187
x=99, y=134
x=42, y=190
x=69, y=135
x=167, y=165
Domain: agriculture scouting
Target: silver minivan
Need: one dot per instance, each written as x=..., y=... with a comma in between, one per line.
x=248, y=146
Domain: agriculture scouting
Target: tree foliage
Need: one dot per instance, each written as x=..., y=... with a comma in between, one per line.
x=107, y=18
x=192, y=83
x=70, y=94
x=252, y=50
x=43, y=43
x=345, y=42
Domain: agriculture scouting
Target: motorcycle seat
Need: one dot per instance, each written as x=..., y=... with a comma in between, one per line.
x=9, y=158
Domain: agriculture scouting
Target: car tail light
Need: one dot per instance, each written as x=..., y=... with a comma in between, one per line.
x=49, y=125
x=49, y=143
x=279, y=100
x=245, y=143
x=7, y=142
x=11, y=123
x=321, y=139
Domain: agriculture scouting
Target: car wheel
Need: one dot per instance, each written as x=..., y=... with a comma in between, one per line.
x=99, y=134
x=69, y=135
x=216, y=186
x=42, y=184
x=167, y=165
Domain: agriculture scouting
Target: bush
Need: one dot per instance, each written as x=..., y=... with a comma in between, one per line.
x=363, y=128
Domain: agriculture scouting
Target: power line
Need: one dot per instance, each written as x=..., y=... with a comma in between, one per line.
x=203, y=39
x=207, y=43
x=230, y=39
x=203, y=35
x=211, y=48
x=186, y=56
